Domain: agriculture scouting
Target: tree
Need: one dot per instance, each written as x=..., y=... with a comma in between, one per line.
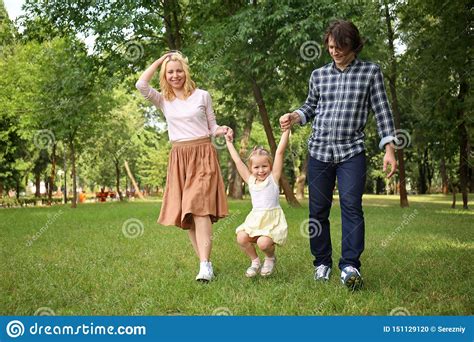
x=438, y=36
x=392, y=78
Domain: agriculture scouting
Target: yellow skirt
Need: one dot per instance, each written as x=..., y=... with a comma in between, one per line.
x=266, y=222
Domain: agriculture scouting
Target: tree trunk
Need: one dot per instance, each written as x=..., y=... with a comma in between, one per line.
x=444, y=176
x=172, y=11
x=74, y=180
x=301, y=179
x=17, y=187
x=422, y=169
x=38, y=185
x=393, y=90
x=453, y=204
x=117, y=178
x=463, y=144
x=52, y=175
x=132, y=179
x=289, y=195
x=231, y=174
x=65, y=176
x=1, y=189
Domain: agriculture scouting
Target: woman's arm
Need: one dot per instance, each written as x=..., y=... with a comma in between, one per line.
x=280, y=155
x=150, y=71
x=143, y=85
x=241, y=167
x=215, y=129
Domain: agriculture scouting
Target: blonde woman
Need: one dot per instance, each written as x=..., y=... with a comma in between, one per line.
x=194, y=196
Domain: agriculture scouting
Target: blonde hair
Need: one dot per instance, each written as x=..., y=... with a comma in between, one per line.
x=188, y=85
x=259, y=151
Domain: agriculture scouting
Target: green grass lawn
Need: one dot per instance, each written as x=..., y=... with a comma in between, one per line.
x=417, y=260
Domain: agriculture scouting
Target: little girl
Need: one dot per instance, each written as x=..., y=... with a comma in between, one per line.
x=265, y=225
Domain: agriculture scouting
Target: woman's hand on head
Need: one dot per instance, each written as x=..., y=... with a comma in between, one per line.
x=163, y=57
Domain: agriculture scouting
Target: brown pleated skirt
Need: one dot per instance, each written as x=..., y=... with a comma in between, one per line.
x=194, y=184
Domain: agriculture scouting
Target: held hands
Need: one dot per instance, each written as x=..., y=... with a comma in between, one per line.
x=287, y=120
x=389, y=159
x=225, y=131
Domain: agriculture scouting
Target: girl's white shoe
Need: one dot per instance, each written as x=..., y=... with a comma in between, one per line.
x=252, y=271
x=268, y=267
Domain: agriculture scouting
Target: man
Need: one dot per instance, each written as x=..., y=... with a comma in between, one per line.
x=340, y=96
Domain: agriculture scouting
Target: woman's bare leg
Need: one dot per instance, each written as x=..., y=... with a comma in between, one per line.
x=192, y=237
x=203, y=229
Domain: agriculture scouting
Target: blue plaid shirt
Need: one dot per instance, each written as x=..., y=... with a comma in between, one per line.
x=339, y=102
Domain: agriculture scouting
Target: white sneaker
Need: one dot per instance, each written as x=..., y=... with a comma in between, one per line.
x=322, y=272
x=206, y=273
x=350, y=276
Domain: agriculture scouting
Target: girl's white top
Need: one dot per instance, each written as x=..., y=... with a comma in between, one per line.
x=265, y=195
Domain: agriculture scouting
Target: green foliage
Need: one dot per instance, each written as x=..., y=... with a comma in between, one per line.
x=51, y=83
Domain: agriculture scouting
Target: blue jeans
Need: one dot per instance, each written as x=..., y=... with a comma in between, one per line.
x=351, y=176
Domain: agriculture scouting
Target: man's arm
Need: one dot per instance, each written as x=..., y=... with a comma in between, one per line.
x=383, y=116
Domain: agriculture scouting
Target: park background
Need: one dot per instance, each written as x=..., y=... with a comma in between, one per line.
x=72, y=123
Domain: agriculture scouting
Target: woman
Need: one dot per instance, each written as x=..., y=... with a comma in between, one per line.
x=194, y=197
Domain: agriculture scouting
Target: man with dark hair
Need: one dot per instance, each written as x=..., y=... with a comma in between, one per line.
x=340, y=96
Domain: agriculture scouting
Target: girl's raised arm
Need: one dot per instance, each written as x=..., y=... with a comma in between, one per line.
x=241, y=167
x=280, y=156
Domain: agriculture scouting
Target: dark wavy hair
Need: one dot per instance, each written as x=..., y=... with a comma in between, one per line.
x=346, y=36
